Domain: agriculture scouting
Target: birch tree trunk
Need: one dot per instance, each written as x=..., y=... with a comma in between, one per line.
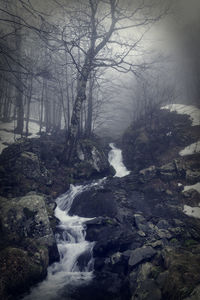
x=76, y=113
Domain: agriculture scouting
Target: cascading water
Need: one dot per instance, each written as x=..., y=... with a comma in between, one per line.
x=116, y=161
x=75, y=267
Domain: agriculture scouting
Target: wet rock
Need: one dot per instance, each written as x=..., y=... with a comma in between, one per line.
x=156, y=244
x=144, y=271
x=106, y=286
x=163, y=224
x=110, y=240
x=195, y=295
x=23, y=172
x=141, y=254
x=91, y=160
x=27, y=217
x=188, y=168
x=94, y=203
x=27, y=242
x=20, y=269
x=148, y=173
x=168, y=171
x=147, y=290
x=183, y=266
x=192, y=176
x=162, y=278
x=141, y=224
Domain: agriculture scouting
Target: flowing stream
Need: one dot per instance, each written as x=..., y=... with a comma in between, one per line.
x=116, y=161
x=75, y=267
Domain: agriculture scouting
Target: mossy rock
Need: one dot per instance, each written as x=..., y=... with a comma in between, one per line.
x=190, y=243
x=19, y=271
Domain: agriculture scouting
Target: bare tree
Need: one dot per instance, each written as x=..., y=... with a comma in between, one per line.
x=102, y=44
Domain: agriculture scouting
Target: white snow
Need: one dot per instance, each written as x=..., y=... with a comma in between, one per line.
x=169, y=133
x=190, y=110
x=194, y=114
x=189, y=210
x=191, y=149
x=192, y=211
x=8, y=137
x=195, y=186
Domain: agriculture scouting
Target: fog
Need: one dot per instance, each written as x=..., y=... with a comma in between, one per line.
x=166, y=64
x=173, y=44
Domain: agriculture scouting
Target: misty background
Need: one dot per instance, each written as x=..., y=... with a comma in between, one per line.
x=34, y=68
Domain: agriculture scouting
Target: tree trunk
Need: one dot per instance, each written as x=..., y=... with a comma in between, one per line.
x=20, y=113
x=76, y=114
x=90, y=108
x=42, y=106
x=19, y=89
x=28, y=105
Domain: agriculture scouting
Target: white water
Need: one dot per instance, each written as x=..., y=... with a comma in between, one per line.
x=72, y=246
x=116, y=161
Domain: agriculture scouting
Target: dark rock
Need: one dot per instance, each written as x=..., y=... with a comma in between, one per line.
x=141, y=254
x=106, y=286
x=141, y=223
x=163, y=224
x=112, y=240
x=168, y=171
x=147, y=142
x=91, y=160
x=20, y=270
x=183, y=267
x=27, y=242
x=162, y=278
x=147, y=290
x=148, y=173
x=94, y=203
x=195, y=295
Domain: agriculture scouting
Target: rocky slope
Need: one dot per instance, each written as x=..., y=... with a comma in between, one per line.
x=32, y=174
x=147, y=247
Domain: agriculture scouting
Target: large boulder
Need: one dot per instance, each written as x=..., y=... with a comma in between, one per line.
x=22, y=171
x=156, y=139
x=90, y=160
x=27, y=243
x=140, y=254
x=183, y=272
x=94, y=204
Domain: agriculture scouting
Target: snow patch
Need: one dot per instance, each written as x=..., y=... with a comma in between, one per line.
x=192, y=111
x=195, y=186
x=169, y=133
x=192, y=211
x=189, y=210
x=8, y=137
x=191, y=149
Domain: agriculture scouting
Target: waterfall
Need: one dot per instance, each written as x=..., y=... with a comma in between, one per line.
x=76, y=262
x=116, y=161
x=75, y=267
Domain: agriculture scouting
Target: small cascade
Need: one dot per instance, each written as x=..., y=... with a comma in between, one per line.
x=76, y=262
x=75, y=267
x=116, y=161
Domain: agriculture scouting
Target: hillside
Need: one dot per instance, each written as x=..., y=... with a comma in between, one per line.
x=146, y=225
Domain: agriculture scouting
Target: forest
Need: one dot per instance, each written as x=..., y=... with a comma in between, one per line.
x=93, y=52
x=99, y=143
